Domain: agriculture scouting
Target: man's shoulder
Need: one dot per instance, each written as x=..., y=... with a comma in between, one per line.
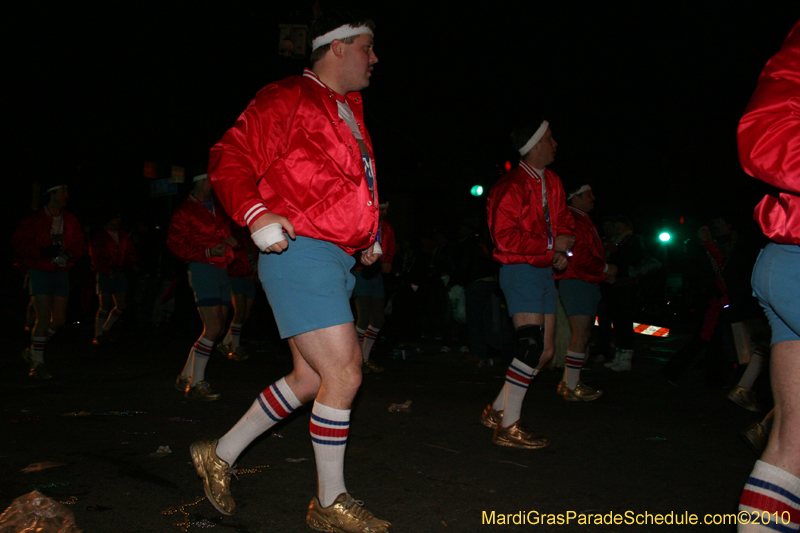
x=287, y=89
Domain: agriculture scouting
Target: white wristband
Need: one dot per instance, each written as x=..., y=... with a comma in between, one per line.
x=377, y=250
x=605, y=268
x=268, y=235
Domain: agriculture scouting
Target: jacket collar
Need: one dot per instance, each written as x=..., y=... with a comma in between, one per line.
x=308, y=73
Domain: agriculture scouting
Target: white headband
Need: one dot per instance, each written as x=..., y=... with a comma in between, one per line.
x=342, y=32
x=199, y=177
x=535, y=139
x=582, y=190
x=51, y=189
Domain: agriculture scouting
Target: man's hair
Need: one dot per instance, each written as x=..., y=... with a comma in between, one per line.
x=329, y=21
x=523, y=129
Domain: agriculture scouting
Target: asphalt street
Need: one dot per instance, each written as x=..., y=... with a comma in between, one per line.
x=644, y=447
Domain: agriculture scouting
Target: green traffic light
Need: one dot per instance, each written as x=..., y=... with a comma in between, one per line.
x=664, y=236
x=477, y=190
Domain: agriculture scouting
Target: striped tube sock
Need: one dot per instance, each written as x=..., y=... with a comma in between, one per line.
x=771, y=492
x=115, y=314
x=518, y=378
x=329, y=428
x=202, y=351
x=369, y=341
x=360, y=332
x=234, y=336
x=273, y=405
x=100, y=319
x=50, y=333
x=572, y=370
x=37, y=348
x=754, y=367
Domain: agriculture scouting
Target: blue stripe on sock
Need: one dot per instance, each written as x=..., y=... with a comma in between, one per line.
x=278, y=394
x=760, y=483
x=318, y=418
x=266, y=410
x=328, y=442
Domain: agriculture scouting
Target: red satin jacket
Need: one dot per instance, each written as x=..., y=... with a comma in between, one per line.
x=34, y=234
x=516, y=217
x=289, y=153
x=108, y=256
x=194, y=230
x=588, y=256
x=769, y=142
x=245, y=256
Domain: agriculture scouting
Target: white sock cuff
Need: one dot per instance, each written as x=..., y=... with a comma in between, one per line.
x=287, y=393
x=786, y=480
x=323, y=411
x=576, y=355
x=522, y=366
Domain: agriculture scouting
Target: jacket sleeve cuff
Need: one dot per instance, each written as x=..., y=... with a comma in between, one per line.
x=254, y=212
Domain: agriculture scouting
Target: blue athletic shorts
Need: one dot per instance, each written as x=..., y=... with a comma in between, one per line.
x=246, y=286
x=308, y=286
x=108, y=285
x=579, y=297
x=49, y=283
x=528, y=289
x=210, y=284
x=776, y=284
x=372, y=287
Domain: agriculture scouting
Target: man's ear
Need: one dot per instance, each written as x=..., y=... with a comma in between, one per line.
x=337, y=47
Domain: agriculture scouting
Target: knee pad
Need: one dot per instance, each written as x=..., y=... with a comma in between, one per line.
x=530, y=344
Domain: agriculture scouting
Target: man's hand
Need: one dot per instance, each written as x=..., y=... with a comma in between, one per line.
x=271, y=218
x=231, y=241
x=560, y=260
x=612, y=271
x=562, y=243
x=386, y=268
x=217, y=251
x=369, y=256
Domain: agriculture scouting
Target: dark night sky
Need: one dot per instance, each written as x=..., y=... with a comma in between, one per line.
x=643, y=101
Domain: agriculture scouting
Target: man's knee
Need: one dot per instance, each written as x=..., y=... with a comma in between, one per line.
x=530, y=344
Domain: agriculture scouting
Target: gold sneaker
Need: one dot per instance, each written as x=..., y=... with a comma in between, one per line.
x=756, y=437
x=37, y=370
x=202, y=391
x=490, y=417
x=182, y=383
x=239, y=354
x=373, y=366
x=344, y=515
x=215, y=473
x=223, y=349
x=581, y=392
x=518, y=436
x=744, y=398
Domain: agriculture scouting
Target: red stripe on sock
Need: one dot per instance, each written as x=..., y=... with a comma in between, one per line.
x=761, y=501
x=518, y=377
x=328, y=432
x=275, y=403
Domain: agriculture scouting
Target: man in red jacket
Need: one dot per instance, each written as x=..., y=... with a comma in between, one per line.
x=48, y=243
x=769, y=150
x=299, y=159
x=579, y=290
x=112, y=252
x=199, y=234
x=532, y=230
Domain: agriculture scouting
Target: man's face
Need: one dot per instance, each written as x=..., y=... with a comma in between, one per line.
x=59, y=197
x=584, y=201
x=547, y=148
x=359, y=57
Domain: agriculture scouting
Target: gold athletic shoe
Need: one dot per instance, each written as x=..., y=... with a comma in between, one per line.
x=202, y=391
x=373, y=366
x=182, y=383
x=581, y=393
x=491, y=418
x=344, y=515
x=518, y=436
x=215, y=473
x=744, y=398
